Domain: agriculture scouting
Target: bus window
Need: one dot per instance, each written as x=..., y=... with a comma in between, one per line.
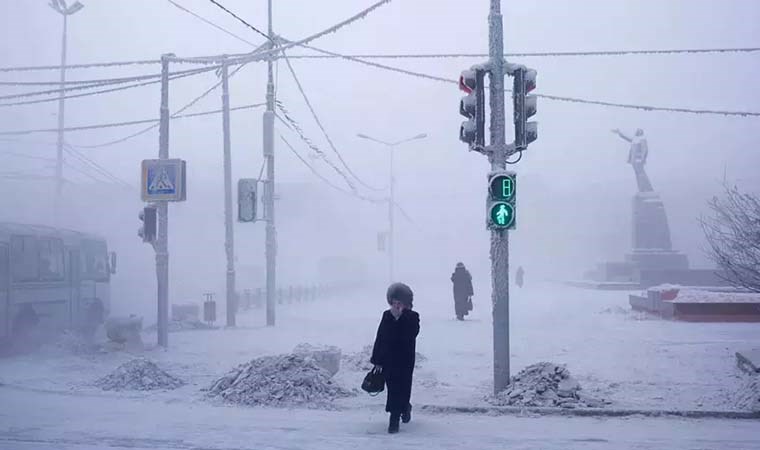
x=24, y=258
x=51, y=260
x=94, y=260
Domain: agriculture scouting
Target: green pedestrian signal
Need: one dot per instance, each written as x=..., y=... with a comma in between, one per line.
x=502, y=215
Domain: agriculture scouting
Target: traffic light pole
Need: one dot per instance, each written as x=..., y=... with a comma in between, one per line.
x=271, y=237
x=229, y=238
x=162, y=241
x=499, y=237
x=391, y=225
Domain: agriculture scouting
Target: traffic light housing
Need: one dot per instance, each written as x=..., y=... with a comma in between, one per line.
x=524, y=107
x=149, y=218
x=473, y=106
x=502, y=194
x=247, y=199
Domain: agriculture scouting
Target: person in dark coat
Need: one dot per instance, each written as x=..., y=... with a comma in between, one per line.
x=394, y=352
x=520, y=277
x=463, y=291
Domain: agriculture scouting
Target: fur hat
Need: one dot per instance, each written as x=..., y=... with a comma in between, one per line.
x=400, y=292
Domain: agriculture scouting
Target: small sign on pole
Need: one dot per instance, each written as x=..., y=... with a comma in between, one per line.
x=247, y=199
x=164, y=180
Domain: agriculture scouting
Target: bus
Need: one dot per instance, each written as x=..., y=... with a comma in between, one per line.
x=52, y=280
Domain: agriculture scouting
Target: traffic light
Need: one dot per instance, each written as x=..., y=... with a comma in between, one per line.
x=149, y=218
x=473, y=106
x=524, y=107
x=247, y=199
x=502, y=192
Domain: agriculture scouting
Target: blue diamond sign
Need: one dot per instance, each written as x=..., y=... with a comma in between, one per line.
x=163, y=180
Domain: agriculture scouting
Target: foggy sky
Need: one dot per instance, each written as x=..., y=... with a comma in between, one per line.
x=575, y=189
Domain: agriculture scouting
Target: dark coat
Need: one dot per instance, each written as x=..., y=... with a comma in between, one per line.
x=462, y=283
x=394, y=350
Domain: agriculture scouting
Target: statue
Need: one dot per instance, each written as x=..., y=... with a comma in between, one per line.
x=637, y=157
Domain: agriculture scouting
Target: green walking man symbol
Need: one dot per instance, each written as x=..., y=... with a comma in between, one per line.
x=502, y=215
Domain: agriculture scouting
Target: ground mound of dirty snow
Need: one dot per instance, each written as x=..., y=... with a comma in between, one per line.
x=748, y=397
x=359, y=361
x=138, y=375
x=544, y=385
x=282, y=381
x=185, y=325
x=69, y=342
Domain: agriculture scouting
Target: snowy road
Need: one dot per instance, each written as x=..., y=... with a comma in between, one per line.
x=45, y=421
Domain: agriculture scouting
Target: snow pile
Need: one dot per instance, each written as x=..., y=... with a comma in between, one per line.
x=359, y=361
x=73, y=343
x=282, y=380
x=326, y=357
x=138, y=375
x=546, y=385
x=748, y=397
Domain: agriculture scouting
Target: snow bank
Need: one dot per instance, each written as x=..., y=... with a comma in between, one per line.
x=748, y=397
x=544, y=385
x=138, y=375
x=283, y=381
x=185, y=325
x=359, y=361
x=326, y=357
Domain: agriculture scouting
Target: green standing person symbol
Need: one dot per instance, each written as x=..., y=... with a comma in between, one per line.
x=502, y=214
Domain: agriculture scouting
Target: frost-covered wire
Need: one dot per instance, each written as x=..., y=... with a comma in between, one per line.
x=95, y=166
x=84, y=85
x=98, y=92
x=260, y=55
x=124, y=124
x=208, y=22
x=547, y=96
x=81, y=66
x=297, y=128
x=321, y=127
x=174, y=115
x=325, y=179
x=535, y=54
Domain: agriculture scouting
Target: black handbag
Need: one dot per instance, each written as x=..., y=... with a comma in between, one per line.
x=374, y=382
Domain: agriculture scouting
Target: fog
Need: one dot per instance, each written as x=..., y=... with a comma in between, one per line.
x=574, y=184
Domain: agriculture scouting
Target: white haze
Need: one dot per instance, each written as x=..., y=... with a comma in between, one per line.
x=574, y=184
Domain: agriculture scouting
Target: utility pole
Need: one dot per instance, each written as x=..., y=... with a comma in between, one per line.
x=499, y=237
x=271, y=236
x=391, y=198
x=65, y=11
x=162, y=241
x=229, y=238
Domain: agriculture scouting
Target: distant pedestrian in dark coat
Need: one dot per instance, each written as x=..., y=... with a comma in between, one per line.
x=394, y=352
x=520, y=277
x=463, y=291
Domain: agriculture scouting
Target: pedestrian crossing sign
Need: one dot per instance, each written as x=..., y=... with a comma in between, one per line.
x=163, y=180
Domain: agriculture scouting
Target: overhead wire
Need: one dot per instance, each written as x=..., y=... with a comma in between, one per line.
x=208, y=22
x=95, y=166
x=81, y=66
x=128, y=123
x=240, y=19
x=321, y=126
x=95, y=82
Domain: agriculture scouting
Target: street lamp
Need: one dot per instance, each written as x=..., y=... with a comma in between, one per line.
x=61, y=8
x=392, y=197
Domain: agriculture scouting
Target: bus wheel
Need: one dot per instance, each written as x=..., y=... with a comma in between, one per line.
x=23, y=327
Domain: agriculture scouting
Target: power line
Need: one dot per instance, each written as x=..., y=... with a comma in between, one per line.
x=324, y=179
x=176, y=114
x=259, y=55
x=536, y=54
x=84, y=85
x=102, y=91
x=240, y=19
x=321, y=127
x=81, y=66
x=123, y=124
x=25, y=156
x=208, y=22
x=97, y=167
x=297, y=128
x=546, y=96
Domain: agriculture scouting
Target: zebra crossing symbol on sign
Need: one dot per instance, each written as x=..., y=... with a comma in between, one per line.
x=163, y=180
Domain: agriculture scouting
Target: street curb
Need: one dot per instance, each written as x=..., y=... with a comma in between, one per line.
x=587, y=412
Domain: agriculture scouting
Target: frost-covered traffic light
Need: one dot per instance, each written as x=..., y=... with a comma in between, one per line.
x=149, y=218
x=524, y=107
x=473, y=107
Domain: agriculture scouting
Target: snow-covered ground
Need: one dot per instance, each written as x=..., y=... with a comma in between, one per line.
x=634, y=360
x=40, y=421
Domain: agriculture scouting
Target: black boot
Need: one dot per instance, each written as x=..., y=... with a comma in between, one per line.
x=393, y=424
x=406, y=416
